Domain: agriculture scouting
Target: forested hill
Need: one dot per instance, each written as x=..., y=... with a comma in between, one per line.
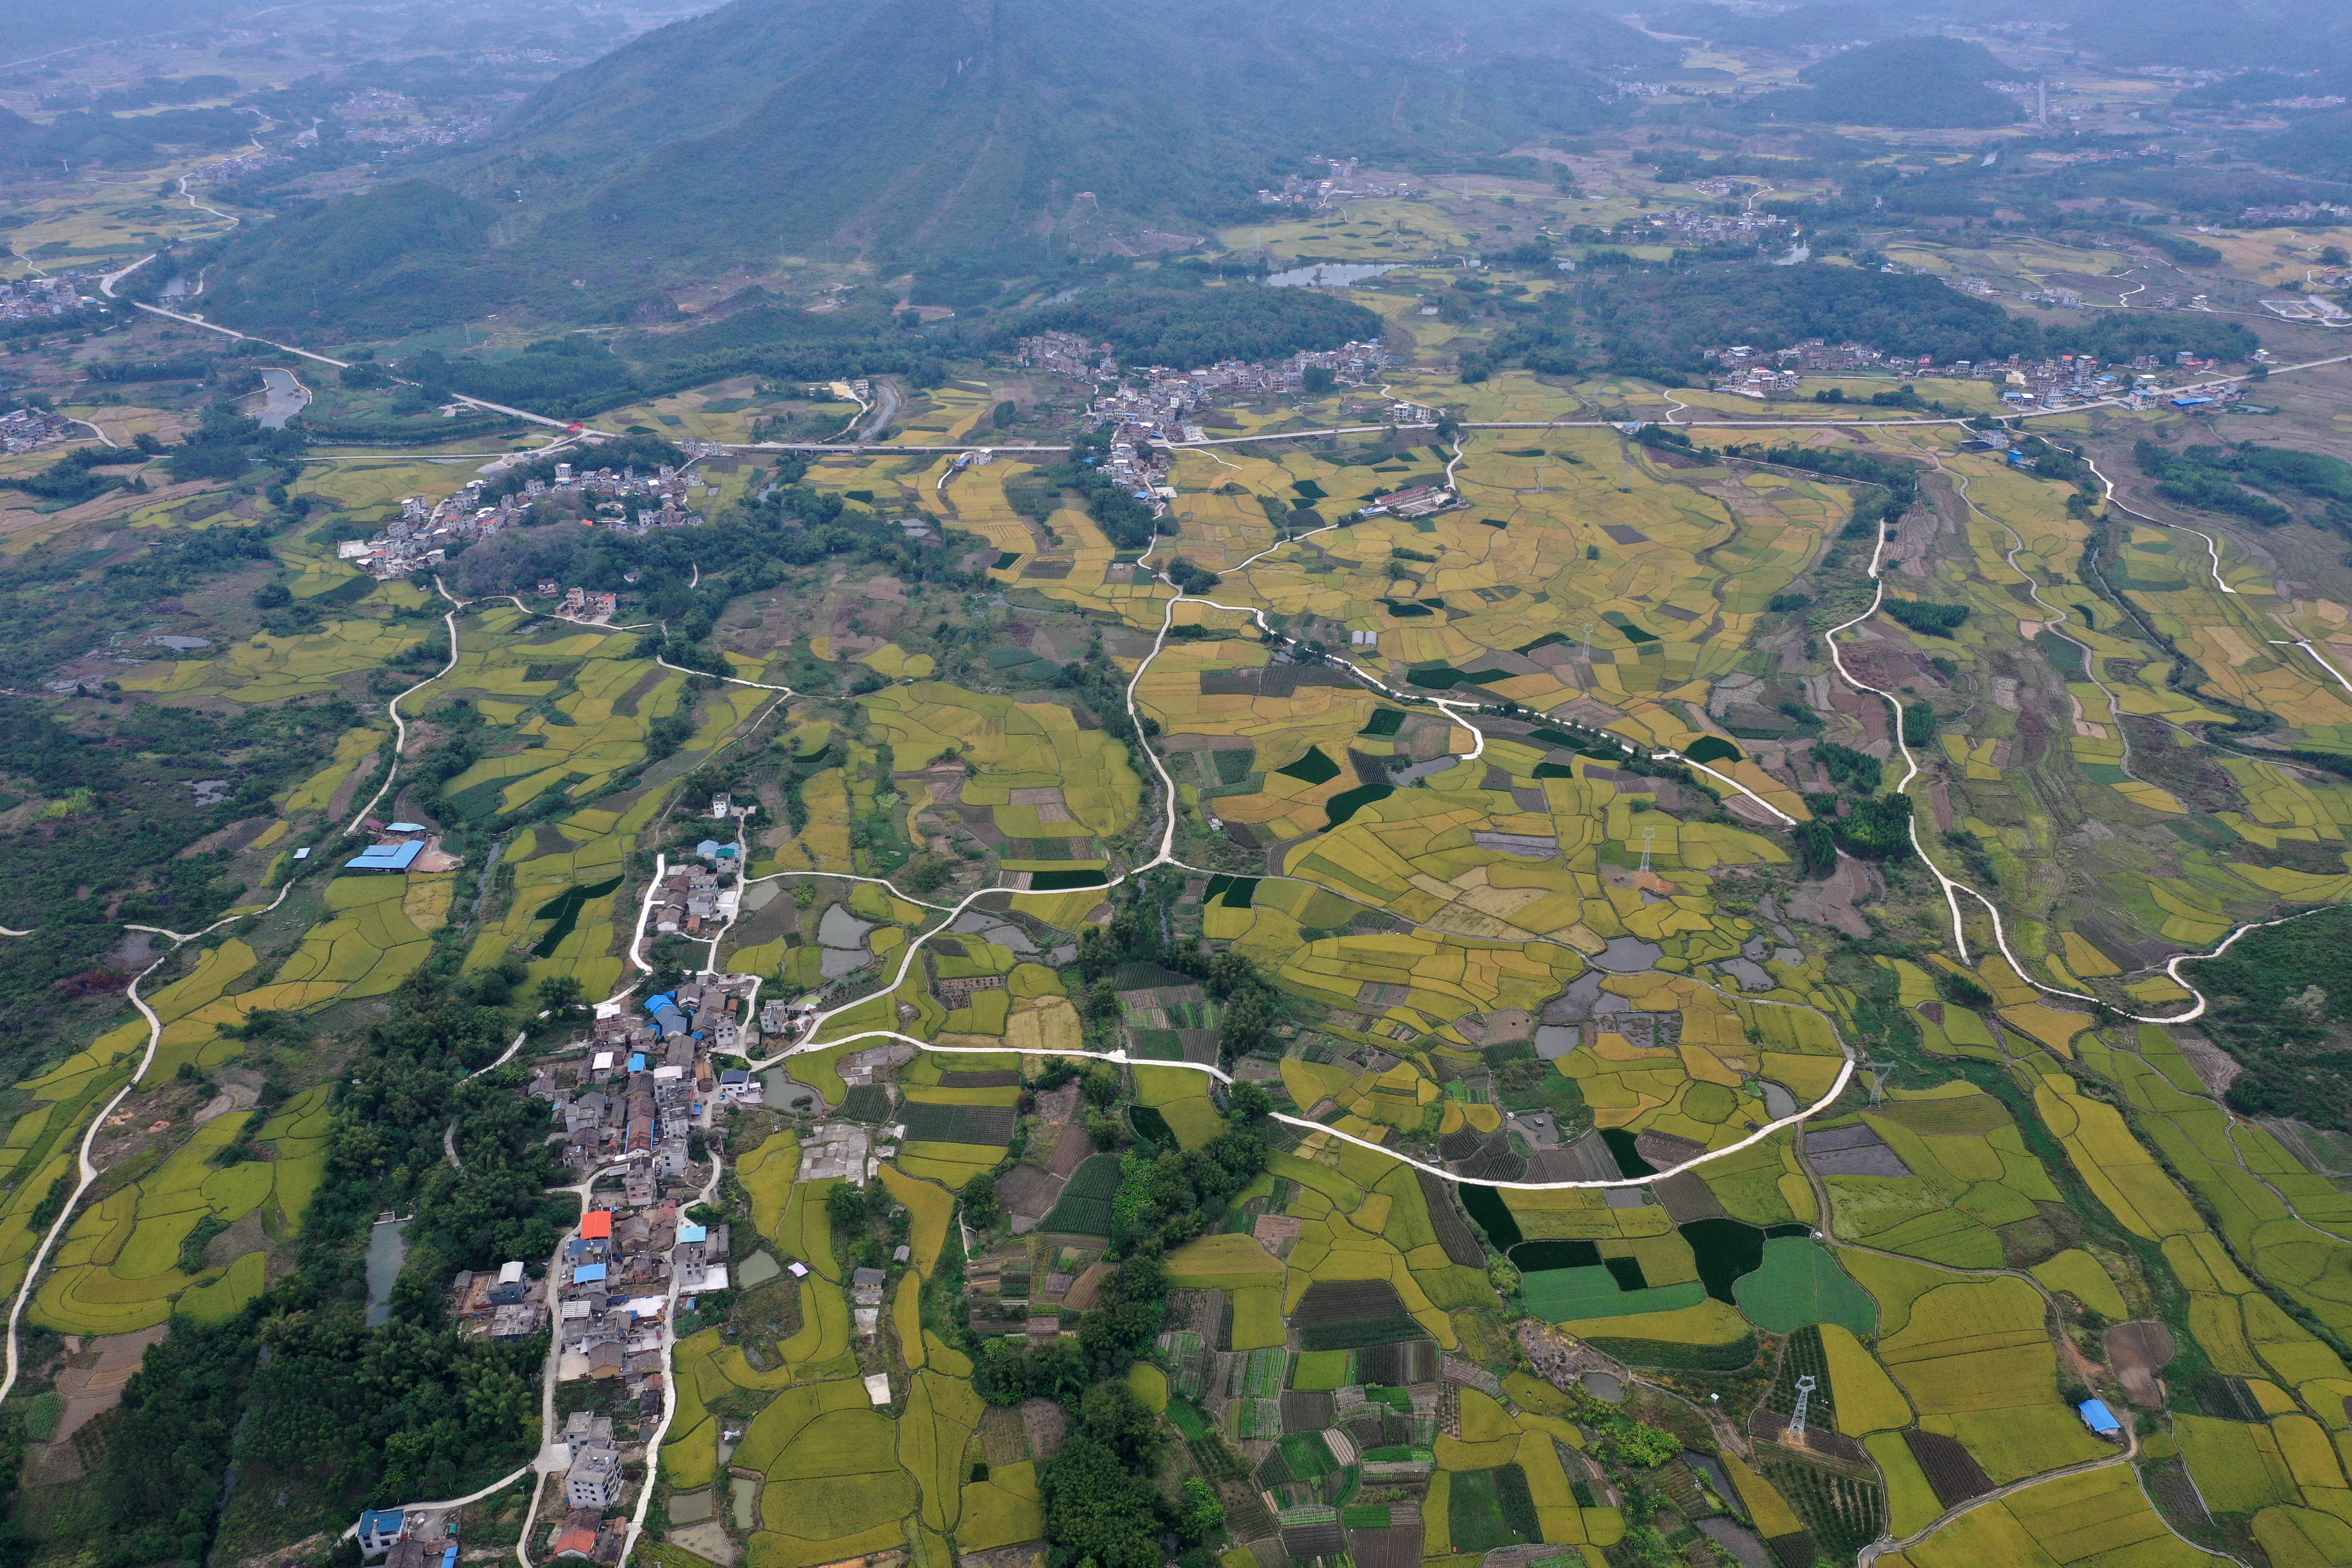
x=999, y=135
x=1901, y=81
x=940, y=127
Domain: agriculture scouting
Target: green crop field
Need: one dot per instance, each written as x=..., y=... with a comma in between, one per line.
x=1801, y=1282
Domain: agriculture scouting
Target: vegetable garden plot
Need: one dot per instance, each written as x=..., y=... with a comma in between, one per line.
x=1843, y=1513
x=980, y=1124
x=1085, y=1205
x=1352, y=1314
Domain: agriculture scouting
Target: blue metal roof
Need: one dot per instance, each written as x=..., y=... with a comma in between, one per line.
x=637, y=1061
x=2097, y=1416
x=406, y=827
x=385, y=857
x=589, y=1274
x=381, y=1520
x=692, y=1233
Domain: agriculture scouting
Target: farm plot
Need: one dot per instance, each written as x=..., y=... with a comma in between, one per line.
x=927, y=1124
x=1351, y=1315
x=1036, y=773
x=2100, y=1516
x=1085, y=1208
x=127, y=1258
x=1978, y=1364
x=1801, y=1281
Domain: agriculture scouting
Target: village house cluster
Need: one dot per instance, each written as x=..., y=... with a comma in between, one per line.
x=631, y=1108
x=1421, y=500
x=580, y=604
x=27, y=428
x=410, y=1538
x=692, y=896
x=2049, y=382
x=2301, y=212
x=1344, y=182
x=41, y=298
x=1688, y=226
x=1162, y=404
x=649, y=1080
x=624, y=500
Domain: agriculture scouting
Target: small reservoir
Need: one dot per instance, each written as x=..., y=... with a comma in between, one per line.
x=287, y=397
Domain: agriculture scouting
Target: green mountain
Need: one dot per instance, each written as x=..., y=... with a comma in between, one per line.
x=951, y=127
x=972, y=138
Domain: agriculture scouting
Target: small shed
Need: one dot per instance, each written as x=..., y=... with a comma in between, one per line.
x=2099, y=1418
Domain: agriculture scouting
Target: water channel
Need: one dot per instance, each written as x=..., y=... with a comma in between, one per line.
x=386, y=1251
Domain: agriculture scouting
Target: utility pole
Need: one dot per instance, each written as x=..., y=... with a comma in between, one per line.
x=1805, y=1386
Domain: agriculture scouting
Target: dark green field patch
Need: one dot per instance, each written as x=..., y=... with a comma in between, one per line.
x=564, y=910
x=1058, y=881
x=1341, y=807
x=1314, y=768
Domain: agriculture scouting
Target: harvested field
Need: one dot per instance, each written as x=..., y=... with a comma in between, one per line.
x=1071, y=1149
x=1736, y=1541
x=1482, y=1156
x=1853, y=1152
x=1399, y=1366
x=1006, y=1078
x=1045, y=1424
x=1319, y=1539
x=2135, y=1350
x=1454, y=1232
x=1949, y=1468
x=1397, y=1546
x=1028, y=1192
x=1307, y=1411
